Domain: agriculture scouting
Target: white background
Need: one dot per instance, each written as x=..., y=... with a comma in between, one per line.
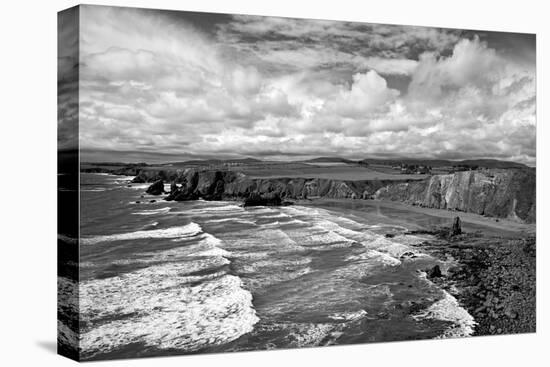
x=28, y=182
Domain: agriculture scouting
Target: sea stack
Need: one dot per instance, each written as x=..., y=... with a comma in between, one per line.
x=156, y=188
x=456, y=229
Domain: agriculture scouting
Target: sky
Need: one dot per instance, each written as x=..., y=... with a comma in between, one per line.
x=165, y=86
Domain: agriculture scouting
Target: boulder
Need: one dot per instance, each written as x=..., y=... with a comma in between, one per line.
x=156, y=188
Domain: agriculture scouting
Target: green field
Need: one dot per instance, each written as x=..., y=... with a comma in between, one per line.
x=336, y=172
x=271, y=169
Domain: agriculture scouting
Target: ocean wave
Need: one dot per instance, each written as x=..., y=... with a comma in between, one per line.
x=287, y=222
x=67, y=239
x=349, y=316
x=166, y=312
x=270, y=215
x=379, y=257
x=153, y=211
x=187, y=230
x=232, y=219
x=97, y=189
x=209, y=210
x=66, y=336
x=448, y=309
x=138, y=186
x=319, y=238
x=262, y=280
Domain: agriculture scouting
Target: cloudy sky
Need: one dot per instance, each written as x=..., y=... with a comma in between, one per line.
x=160, y=85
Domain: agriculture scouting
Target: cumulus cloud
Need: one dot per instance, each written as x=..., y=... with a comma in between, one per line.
x=241, y=85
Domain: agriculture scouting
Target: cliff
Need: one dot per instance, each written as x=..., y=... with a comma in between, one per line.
x=501, y=193
x=190, y=184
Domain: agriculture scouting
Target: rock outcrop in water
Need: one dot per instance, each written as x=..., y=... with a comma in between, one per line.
x=456, y=228
x=502, y=193
x=156, y=188
x=256, y=199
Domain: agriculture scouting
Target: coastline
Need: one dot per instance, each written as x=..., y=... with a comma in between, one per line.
x=416, y=217
x=491, y=267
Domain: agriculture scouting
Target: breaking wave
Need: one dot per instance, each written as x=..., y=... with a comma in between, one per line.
x=187, y=230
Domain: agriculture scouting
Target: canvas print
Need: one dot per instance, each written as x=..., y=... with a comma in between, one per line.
x=236, y=183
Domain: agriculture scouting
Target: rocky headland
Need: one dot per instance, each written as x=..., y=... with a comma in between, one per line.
x=500, y=193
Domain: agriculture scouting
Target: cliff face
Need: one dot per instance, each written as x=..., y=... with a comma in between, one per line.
x=191, y=184
x=501, y=193
x=509, y=193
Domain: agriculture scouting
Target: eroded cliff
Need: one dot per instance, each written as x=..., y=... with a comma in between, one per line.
x=501, y=193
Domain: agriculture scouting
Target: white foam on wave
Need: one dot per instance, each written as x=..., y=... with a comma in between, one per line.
x=209, y=210
x=288, y=222
x=97, y=189
x=165, y=311
x=319, y=238
x=226, y=220
x=273, y=264
x=448, y=309
x=349, y=316
x=379, y=257
x=138, y=186
x=153, y=211
x=67, y=307
x=310, y=335
x=67, y=240
x=392, y=248
x=207, y=246
x=271, y=215
x=187, y=230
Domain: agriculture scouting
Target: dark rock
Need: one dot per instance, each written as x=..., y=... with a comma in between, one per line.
x=217, y=192
x=390, y=235
x=434, y=272
x=256, y=199
x=408, y=254
x=152, y=201
x=183, y=194
x=156, y=188
x=137, y=201
x=456, y=229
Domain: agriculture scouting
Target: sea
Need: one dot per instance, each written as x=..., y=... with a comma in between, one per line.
x=166, y=278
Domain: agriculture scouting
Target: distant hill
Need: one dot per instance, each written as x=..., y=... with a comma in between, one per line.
x=487, y=163
x=329, y=160
x=202, y=162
